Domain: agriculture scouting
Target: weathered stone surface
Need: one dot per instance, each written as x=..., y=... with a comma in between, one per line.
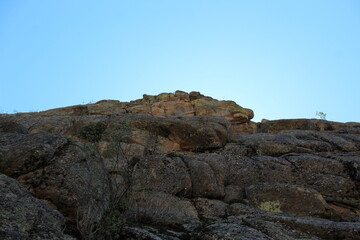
x=172, y=109
x=231, y=229
x=227, y=109
x=163, y=105
x=277, y=145
x=238, y=209
x=245, y=171
x=350, y=160
x=328, y=176
x=156, y=135
x=104, y=107
x=161, y=173
x=322, y=228
x=277, y=126
x=207, y=174
x=151, y=233
x=210, y=208
x=161, y=208
x=245, y=128
x=189, y=163
x=24, y=217
x=340, y=213
x=292, y=199
x=295, y=142
x=11, y=126
x=107, y=107
x=67, y=174
x=192, y=133
x=23, y=153
x=276, y=230
x=233, y=194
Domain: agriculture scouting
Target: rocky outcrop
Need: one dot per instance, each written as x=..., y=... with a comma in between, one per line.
x=162, y=209
x=186, y=166
x=277, y=126
x=25, y=217
x=292, y=199
x=145, y=134
x=176, y=104
x=68, y=175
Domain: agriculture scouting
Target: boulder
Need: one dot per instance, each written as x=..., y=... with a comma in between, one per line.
x=24, y=153
x=207, y=173
x=162, y=208
x=179, y=104
x=162, y=173
x=172, y=109
x=231, y=229
x=294, y=141
x=277, y=126
x=276, y=230
x=233, y=193
x=239, y=209
x=210, y=208
x=245, y=171
x=244, y=128
x=227, y=109
x=328, y=176
x=69, y=175
x=24, y=217
x=103, y=107
x=292, y=199
x=187, y=166
x=322, y=228
x=156, y=135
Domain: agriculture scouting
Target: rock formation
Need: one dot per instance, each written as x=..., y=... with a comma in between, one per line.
x=176, y=166
x=25, y=217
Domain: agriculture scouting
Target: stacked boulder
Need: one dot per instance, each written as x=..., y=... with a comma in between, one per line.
x=177, y=166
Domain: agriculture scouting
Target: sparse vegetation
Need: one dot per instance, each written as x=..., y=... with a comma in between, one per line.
x=112, y=224
x=322, y=115
x=86, y=221
x=123, y=164
x=93, y=132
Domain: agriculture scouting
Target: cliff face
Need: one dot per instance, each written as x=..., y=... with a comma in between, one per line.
x=182, y=166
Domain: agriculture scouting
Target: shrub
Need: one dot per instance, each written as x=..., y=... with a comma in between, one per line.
x=93, y=132
x=322, y=115
x=112, y=225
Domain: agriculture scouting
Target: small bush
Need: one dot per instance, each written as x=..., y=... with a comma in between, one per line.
x=93, y=132
x=322, y=115
x=112, y=224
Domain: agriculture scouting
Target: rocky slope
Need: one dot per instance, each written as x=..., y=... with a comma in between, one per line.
x=176, y=166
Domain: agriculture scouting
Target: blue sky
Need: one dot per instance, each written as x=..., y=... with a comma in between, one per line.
x=283, y=59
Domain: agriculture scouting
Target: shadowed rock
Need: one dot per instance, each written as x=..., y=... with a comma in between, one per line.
x=25, y=217
x=278, y=198
x=67, y=174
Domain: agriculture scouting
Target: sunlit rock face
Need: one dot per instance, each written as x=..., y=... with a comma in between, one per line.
x=178, y=104
x=179, y=166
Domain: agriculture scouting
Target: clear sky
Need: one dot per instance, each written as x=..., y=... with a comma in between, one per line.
x=283, y=59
